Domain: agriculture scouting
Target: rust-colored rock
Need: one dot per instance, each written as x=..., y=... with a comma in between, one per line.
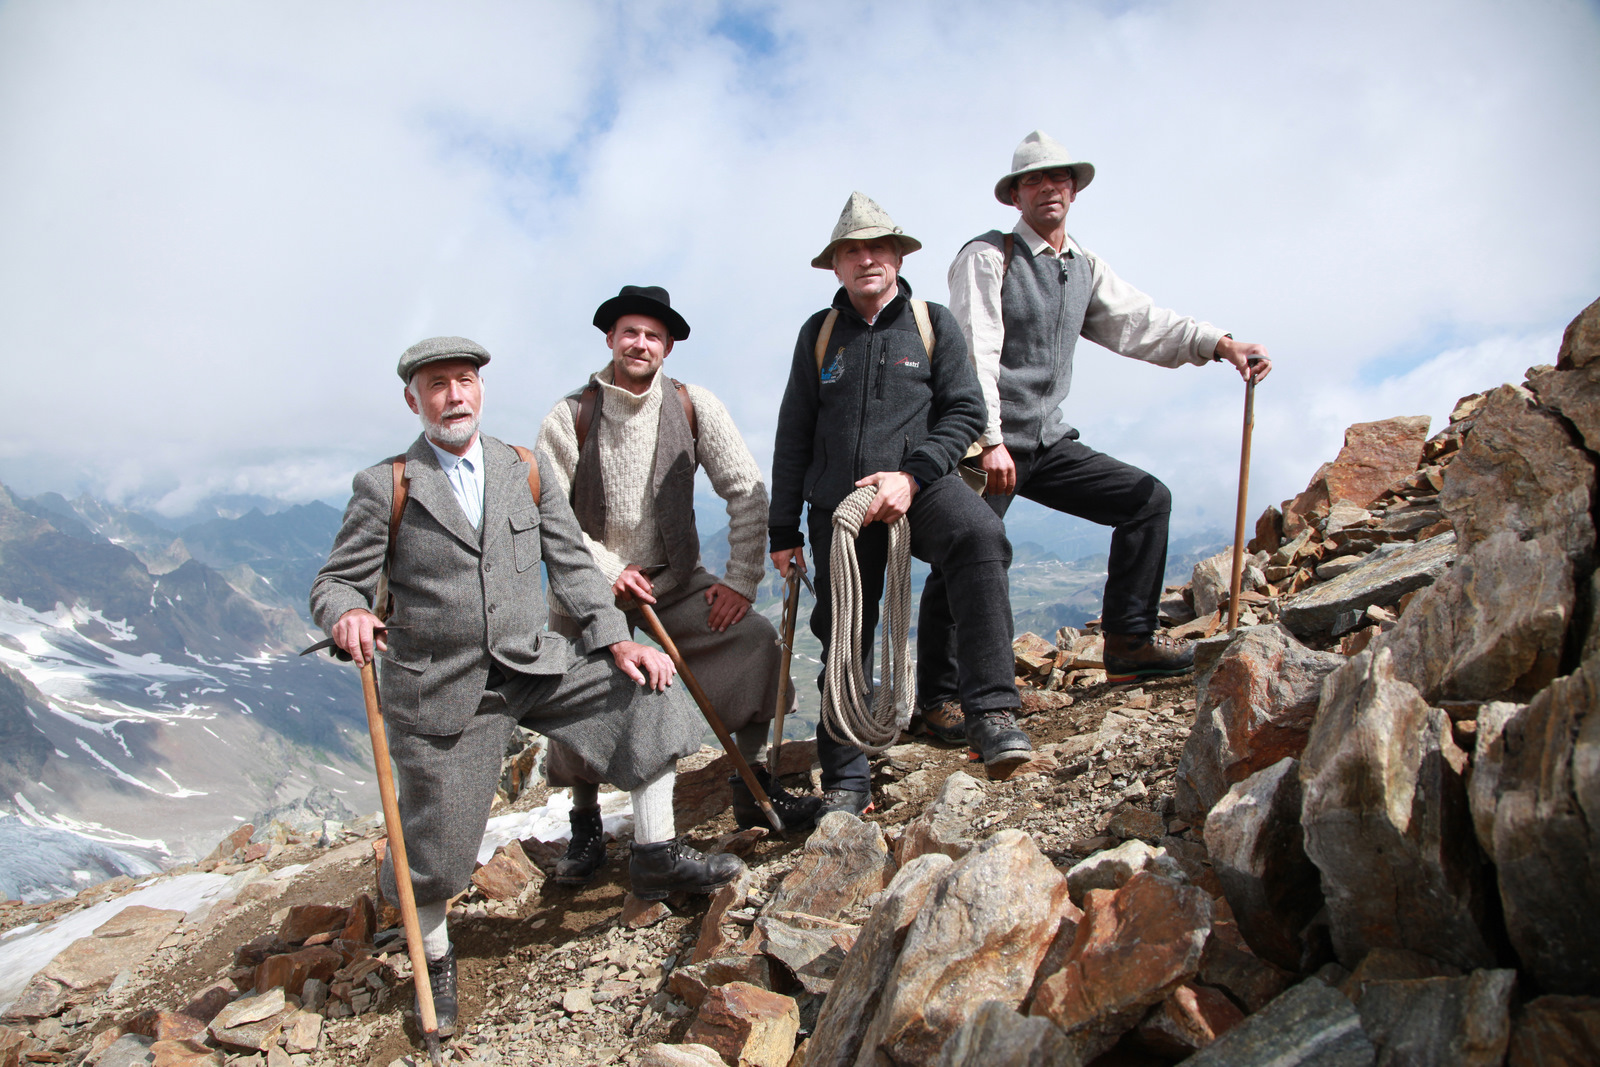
x=507, y=873
x=1556, y=1031
x=1034, y=655
x=210, y=1000
x=363, y=920
x=184, y=1053
x=691, y=982
x=637, y=914
x=1572, y=386
x=719, y=937
x=1520, y=471
x=1229, y=965
x=945, y=826
x=304, y=920
x=1254, y=708
x=165, y=1026
x=843, y=861
x=1134, y=946
x=1386, y=821
x=981, y=935
x=303, y=1032
x=747, y=1026
x=813, y=950
x=859, y=985
x=1190, y=1018
x=1375, y=456
x=124, y=941
x=1269, y=532
x=230, y=844
x=289, y=972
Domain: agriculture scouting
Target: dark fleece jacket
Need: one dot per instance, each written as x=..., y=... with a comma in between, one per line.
x=879, y=404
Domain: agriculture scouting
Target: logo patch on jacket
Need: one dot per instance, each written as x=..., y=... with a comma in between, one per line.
x=903, y=361
x=833, y=370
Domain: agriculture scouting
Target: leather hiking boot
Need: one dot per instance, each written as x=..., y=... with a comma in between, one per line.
x=442, y=980
x=994, y=738
x=857, y=803
x=666, y=867
x=586, y=852
x=1131, y=656
x=945, y=722
x=797, y=812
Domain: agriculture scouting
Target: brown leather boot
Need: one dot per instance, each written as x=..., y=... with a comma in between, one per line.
x=1132, y=656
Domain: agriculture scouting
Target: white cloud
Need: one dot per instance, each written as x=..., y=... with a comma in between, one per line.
x=223, y=223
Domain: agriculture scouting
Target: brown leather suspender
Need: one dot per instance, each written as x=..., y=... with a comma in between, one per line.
x=583, y=418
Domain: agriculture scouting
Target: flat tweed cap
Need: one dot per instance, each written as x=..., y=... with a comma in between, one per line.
x=649, y=300
x=1040, y=151
x=862, y=220
x=436, y=348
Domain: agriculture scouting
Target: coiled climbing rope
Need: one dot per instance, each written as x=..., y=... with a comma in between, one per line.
x=852, y=711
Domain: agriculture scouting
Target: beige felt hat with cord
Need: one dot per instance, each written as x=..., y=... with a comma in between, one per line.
x=862, y=220
x=1040, y=151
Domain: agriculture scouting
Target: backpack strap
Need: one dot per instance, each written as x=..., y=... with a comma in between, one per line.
x=397, y=508
x=526, y=455
x=822, y=338
x=919, y=311
x=1005, y=255
x=688, y=408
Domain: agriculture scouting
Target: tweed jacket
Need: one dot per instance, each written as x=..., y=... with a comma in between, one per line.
x=464, y=598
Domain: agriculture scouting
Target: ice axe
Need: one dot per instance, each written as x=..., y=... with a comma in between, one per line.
x=1244, y=491
x=397, y=848
x=791, y=604
x=659, y=632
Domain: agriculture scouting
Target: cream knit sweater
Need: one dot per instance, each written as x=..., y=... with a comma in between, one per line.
x=627, y=429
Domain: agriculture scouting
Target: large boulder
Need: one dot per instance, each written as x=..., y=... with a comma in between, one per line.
x=859, y=984
x=982, y=933
x=1111, y=868
x=1381, y=580
x=1545, y=829
x=1496, y=622
x=1520, y=470
x=1257, y=850
x=1440, y=1022
x=1387, y=823
x=1311, y=1025
x=1134, y=946
x=996, y=1036
x=945, y=826
x=1554, y=1031
x=1375, y=456
x=1572, y=386
x=1255, y=707
x=844, y=860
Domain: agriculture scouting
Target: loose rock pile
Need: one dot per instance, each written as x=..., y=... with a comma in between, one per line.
x=1363, y=833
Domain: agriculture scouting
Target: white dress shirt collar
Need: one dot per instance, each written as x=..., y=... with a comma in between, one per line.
x=465, y=475
x=1038, y=245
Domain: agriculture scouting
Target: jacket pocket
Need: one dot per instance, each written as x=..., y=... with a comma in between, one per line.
x=400, y=684
x=525, y=537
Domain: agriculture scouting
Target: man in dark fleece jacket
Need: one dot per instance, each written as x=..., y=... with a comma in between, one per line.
x=883, y=410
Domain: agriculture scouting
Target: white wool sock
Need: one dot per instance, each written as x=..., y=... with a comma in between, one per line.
x=435, y=932
x=652, y=810
x=752, y=740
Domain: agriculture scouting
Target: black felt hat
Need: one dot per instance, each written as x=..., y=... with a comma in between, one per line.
x=649, y=300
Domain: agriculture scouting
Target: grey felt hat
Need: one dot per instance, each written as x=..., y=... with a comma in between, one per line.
x=1040, y=151
x=862, y=220
x=436, y=348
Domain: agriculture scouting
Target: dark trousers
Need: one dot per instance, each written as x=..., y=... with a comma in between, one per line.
x=1068, y=476
x=953, y=530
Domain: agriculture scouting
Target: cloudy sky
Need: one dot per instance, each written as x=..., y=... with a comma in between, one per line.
x=220, y=223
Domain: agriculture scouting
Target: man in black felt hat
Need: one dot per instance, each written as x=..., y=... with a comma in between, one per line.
x=625, y=447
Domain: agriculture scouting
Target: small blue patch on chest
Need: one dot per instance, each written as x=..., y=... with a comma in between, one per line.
x=833, y=370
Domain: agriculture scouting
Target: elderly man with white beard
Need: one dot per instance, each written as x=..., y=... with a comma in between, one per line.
x=460, y=523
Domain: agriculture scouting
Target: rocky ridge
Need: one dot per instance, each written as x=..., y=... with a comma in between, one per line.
x=1361, y=834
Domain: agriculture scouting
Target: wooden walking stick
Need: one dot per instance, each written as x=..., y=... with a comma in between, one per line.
x=659, y=632
x=402, y=867
x=1244, y=492
x=791, y=603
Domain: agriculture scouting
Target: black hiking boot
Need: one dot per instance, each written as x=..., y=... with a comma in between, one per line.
x=1132, y=656
x=994, y=738
x=857, y=803
x=944, y=722
x=442, y=980
x=658, y=870
x=586, y=852
x=797, y=812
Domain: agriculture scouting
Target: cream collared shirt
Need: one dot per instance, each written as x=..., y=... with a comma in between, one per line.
x=1119, y=316
x=465, y=474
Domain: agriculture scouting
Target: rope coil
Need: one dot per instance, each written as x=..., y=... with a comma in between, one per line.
x=852, y=712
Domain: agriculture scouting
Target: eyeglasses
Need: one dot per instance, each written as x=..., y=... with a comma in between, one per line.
x=1039, y=177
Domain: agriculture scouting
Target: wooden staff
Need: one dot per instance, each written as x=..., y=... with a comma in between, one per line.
x=1244, y=493
x=791, y=603
x=402, y=868
x=700, y=698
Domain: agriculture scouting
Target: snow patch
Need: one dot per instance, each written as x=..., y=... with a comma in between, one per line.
x=552, y=822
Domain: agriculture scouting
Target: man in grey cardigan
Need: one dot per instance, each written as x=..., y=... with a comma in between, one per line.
x=1023, y=299
x=466, y=655
x=626, y=447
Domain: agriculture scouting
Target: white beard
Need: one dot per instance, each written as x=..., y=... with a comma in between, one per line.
x=453, y=436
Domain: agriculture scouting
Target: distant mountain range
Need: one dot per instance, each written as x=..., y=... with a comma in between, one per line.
x=151, y=696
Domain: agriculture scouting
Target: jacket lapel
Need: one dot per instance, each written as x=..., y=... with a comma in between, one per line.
x=503, y=472
x=431, y=489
